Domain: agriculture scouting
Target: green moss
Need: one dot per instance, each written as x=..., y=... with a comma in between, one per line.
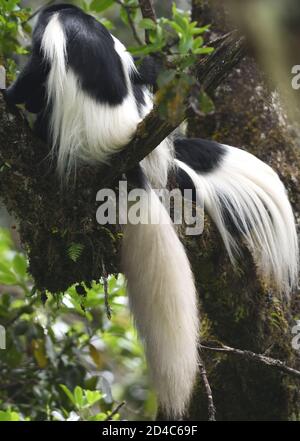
x=237, y=309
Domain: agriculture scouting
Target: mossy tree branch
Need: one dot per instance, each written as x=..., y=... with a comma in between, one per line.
x=50, y=220
x=258, y=358
x=210, y=72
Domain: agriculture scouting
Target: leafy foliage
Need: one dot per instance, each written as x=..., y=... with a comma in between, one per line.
x=177, y=36
x=13, y=30
x=177, y=42
x=75, y=251
x=64, y=360
x=100, y=6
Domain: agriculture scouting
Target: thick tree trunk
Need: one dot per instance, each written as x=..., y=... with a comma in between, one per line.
x=235, y=308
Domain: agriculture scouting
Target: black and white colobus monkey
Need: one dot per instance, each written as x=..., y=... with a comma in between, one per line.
x=89, y=98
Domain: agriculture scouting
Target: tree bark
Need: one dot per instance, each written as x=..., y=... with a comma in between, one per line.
x=51, y=218
x=235, y=308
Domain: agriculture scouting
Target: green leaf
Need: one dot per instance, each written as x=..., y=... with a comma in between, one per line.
x=198, y=31
x=75, y=250
x=165, y=77
x=176, y=27
x=180, y=19
x=99, y=417
x=107, y=23
x=78, y=396
x=19, y=265
x=206, y=103
x=185, y=44
x=7, y=277
x=9, y=416
x=203, y=50
x=142, y=50
x=148, y=24
x=124, y=16
x=93, y=396
x=68, y=393
x=5, y=238
x=198, y=42
x=10, y=5
x=101, y=5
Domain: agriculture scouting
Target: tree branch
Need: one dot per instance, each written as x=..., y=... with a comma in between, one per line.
x=115, y=411
x=2, y=78
x=148, y=11
x=259, y=358
x=210, y=72
x=213, y=70
x=49, y=219
x=128, y=10
x=106, y=293
x=211, y=406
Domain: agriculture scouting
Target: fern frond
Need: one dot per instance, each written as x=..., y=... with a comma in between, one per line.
x=75, y=250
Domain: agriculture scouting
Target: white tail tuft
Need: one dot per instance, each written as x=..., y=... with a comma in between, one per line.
x=257, y=204
x=54, y=48
x=163, y=302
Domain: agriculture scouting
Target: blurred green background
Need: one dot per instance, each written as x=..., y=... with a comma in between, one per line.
x=58, y=349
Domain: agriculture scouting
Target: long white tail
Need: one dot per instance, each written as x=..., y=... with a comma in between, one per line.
x=163, y=302
x=247, y=193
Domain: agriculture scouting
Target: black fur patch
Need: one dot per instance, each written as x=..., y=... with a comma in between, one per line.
x=149, y=69
x=29, y=87
x=184, y=182
x=136, y=178
x=91, y=55
x=201, y=155
x=139, y=96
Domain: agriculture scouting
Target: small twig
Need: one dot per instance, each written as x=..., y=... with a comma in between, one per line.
x=2, y=78
x=35, y=13
x=249, y=355
x=21, y=311
x=106, y=294
x=148, y=11
x=115, y=411
x=211, y=406
x=128, y=10
x=220, y=39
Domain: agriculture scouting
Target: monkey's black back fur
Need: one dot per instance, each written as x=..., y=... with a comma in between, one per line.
x=201, y=155
x=90, y=54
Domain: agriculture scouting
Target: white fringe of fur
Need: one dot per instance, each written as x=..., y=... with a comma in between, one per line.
x=81, y=128
x=160, y=282
x=257, y=200
x=163, y=302
x=85, y=130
